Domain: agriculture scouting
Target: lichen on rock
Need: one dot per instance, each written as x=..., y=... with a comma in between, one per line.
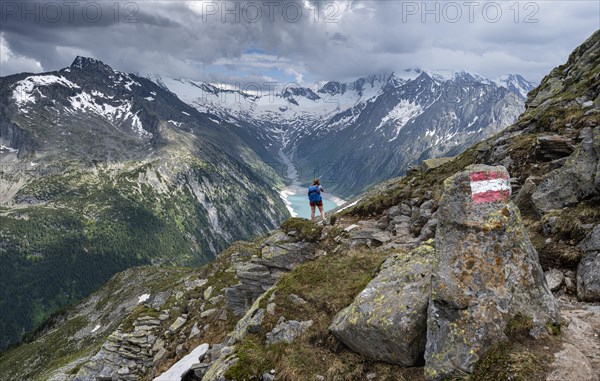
x=485, y=272
x=387, y=320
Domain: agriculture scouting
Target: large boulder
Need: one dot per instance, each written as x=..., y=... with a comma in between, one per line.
x=485, y=272
x=576, y=180
x=387, y=320
x=588, y=271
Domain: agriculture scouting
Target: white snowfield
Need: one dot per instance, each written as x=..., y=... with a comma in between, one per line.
x=181, y=367
x=101, y=105
x=24, y=89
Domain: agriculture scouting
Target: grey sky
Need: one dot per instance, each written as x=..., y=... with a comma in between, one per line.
x=289, y=40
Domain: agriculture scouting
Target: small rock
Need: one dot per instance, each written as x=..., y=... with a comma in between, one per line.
x=296, y=299
x=179, y=350
x=351, y=227
x=208, y=312
x=549, y=225
x=555, y=279
x=268, y=377
x=180, y=321
x=208, y=293
x=588, y=278
x=587, y=104
x=271, y=308
x=216, y=299
x=287, y=331
x=570, y=285
x=256, y=321
x=195, y=331
x=161, y=356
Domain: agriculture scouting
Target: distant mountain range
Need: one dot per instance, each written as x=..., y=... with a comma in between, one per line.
x=102, y=171
x=356, y=134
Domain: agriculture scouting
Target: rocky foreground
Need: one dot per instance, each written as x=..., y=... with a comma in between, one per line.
x=484, y=267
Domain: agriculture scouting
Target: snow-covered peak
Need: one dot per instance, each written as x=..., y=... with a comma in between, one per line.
x=515, y=83
x=89, y=64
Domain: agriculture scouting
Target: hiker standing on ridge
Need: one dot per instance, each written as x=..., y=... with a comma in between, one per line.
x=315, y=199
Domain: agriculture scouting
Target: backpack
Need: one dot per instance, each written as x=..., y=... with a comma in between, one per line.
x=314, y=193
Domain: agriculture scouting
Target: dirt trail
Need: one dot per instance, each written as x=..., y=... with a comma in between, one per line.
x=579, y=360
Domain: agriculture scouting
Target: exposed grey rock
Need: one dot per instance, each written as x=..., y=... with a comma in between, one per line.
x=428, y=231
x=431, y=164
x=555, y=279
x=571, y=364
x=591, y=242
x=368, y=237
x=177, y=324
x=221, y=362
x=387, y=321
x=553, y=147
x=296, y=299
x=523, y=198
x=285, y=256
x=256, y=321
x=576, y=180
x=588, y=277
x=287, y=331
x=486, y=272
x=195, y=331
x=260, y=274
x=208, y=292
x=549, y=225
x=208, y=313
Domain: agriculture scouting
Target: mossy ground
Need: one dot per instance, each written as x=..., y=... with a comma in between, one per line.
x=520, y=358
x=327, y=284
x=304, y=229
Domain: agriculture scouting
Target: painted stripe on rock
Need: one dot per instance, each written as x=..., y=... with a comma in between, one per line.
x=491, y=196
x=489, y=187
x=480, y=176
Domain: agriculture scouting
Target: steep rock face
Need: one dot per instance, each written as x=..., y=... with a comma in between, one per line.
x=486, y=272
x=588, y=271
x=388, y=320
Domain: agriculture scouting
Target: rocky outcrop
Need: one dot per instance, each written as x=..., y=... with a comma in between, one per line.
x=287, y=331
x=588, y=271
x=278, y=256
x=578, y=179
x=126, y=356
x=486, y=271
x=387, y=320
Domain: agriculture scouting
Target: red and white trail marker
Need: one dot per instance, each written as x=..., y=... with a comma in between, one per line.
x=489, y=187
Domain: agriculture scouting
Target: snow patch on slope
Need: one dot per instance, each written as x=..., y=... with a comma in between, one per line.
x=24, y=89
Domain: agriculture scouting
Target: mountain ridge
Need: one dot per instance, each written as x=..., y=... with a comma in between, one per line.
x=306, y=122
x=103, y=170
